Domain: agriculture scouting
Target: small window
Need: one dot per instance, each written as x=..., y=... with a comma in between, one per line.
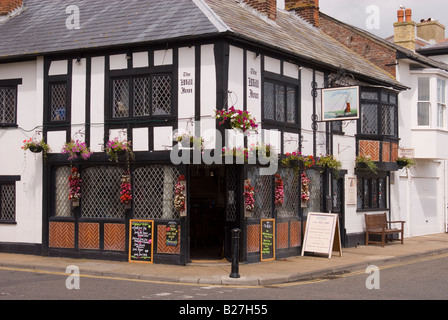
x=280, y=102
x=441, y=103
x=142, y=96
x=379, y=114
x=8, y=105
x=58, y=102
x=423, y=112
x=7, y=202
x=372, y=193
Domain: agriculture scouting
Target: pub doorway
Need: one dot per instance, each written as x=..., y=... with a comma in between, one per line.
x=212, y=211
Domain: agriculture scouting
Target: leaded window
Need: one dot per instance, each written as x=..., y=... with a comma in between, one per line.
x=7, y=202
x=372, y=193
x=291, y=195
x=8, y=105
x=280, y=102
x=316, y=188
x=62, y=204
x=263, y=188
x=58, y=102
x=154, y=192
x=101, y=187
x=141, y=96
x=379, y=113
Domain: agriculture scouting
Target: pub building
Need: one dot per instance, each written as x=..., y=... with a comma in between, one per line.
x=156, y=74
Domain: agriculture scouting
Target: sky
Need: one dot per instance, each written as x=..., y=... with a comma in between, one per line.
x=378, y=16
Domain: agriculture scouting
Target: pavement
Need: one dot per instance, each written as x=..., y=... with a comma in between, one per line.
x=281, y=271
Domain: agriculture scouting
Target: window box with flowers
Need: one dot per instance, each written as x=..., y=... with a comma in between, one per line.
x=331, y=163
x=366, y=162
x=236, y=119
x=76, y=149
x=404, y=162
x=294, y=159
x=189, y=141
x=36, y=146
x=256, y=154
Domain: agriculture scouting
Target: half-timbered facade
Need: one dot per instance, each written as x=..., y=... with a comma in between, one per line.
x=147, y=71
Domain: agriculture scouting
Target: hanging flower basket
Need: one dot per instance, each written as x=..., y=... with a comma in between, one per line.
x=180, y=198
x=76, y=149
x=126, y=190
x=405, y=162
x=249, y=201
x=36, y=146
x=237, y=119
x=74, y=182
x=278, y=190
x=115, y=148
x=305, y=191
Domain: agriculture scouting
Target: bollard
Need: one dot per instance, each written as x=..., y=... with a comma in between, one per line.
x=236, y=253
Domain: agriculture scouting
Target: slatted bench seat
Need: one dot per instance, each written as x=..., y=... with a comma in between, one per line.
x=377, y=224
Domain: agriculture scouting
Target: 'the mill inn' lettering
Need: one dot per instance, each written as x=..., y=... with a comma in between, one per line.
x=186, y=83
x=253, y=83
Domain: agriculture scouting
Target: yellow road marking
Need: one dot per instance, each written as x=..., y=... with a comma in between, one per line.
x=289, y=284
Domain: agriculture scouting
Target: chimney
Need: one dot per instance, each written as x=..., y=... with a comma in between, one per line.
x=8, y=7
x=404, y=31
x=431, y=30
x=307, y=9
x=265, y=7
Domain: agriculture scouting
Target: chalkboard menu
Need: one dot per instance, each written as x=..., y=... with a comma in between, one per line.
x=267, y=239
x=172, y=234
x=141, y=241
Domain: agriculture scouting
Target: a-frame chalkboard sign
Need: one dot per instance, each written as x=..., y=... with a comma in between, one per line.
x=141, y=233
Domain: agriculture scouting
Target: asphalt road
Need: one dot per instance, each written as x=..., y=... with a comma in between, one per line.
x=415, y=280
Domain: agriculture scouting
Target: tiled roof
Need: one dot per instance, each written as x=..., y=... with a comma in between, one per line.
x=41, y=27
x=292, y=34
x=389, y=42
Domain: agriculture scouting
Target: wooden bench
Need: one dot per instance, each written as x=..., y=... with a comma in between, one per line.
x=377, y=224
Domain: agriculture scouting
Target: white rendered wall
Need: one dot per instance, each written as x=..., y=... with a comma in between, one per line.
x=14, y=161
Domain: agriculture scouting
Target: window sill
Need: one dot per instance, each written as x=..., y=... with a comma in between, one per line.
x=372, y=210
x=8, y=222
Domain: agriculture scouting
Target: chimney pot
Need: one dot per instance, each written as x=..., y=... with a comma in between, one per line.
x=408, y=13
x=400, y=15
